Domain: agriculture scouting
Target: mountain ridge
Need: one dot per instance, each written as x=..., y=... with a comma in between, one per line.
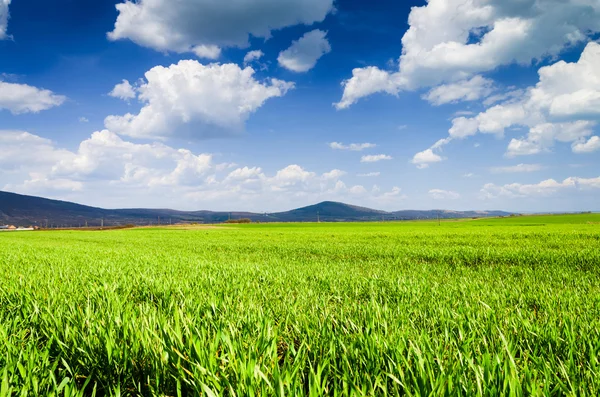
x=26, y=210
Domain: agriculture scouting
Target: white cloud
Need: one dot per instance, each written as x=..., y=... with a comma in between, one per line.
x=42, y=183
x=451, y=40
x=106, y=156
x=369, y=174
x=304, y=53
x=468, y=175
x=252, y=56
x=570, y=90
x=559, y=108
x=197, y=100
x=207, y=51
x=592, y=145
x=203, y=26
x=123, y=90
x=83, y=120
x=289, y=176
x=365, y=82
x=21, y=149
x=461, y=113
x=148, y=174
x=245, y=174
x=4, y=14
x=512, y=95
x=23, y=98
x=375, y=158
x=465, y=90
x=439, y=194
x=333, y=174
x=517, y=168
x=542, y=137
x=353, y=146
x=542, y=189
x=425, y=158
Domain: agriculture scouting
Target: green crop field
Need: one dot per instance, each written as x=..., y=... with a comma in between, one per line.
x=479, y=307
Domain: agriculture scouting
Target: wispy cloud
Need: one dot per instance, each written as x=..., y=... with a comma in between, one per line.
x=375, y=158
x=369, y=174
x=357, y=147
x=517, y=168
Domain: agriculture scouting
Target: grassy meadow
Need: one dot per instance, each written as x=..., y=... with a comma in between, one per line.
x=479, y=307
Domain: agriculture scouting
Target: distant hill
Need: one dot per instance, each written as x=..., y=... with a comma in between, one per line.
x=17, y=209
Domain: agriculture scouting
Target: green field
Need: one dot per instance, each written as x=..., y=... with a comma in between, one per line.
x=486, y=307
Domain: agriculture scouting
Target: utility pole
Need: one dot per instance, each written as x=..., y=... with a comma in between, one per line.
x=318, y=217
x=438, y=216
x=102, y=223
x=159, y=220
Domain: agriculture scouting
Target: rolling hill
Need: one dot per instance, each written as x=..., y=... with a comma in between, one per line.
x=24, y=210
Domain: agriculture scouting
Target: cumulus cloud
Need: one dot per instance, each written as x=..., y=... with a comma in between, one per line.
x=542, y=137
x=559, y=108
x=123, y=90
x=451, y=40
x=304, y=53
x=591, y=145
x=465, y=90
x=204, y=26
x=23, y=98
x=333, y=174
x=252, y=56
x=4, y=18
x=207, y=51
x=196, y=100
x=423, y=159
x=83, y=119
x=439, y=194
x=541, y=189
x=353, y=146
x=375, y=158
x=365, y=82
x=517, y=168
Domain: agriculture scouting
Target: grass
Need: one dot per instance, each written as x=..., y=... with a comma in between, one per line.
x=486, y=307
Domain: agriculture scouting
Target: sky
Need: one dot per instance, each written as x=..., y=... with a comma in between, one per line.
x=266, y=105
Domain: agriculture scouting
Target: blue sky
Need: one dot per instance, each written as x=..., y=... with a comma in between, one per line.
x=265, y=106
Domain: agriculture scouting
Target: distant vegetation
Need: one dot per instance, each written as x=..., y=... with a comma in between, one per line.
x=242, y=220
x=491, y=307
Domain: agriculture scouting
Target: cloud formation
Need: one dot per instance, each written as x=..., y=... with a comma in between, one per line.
x=357, y=147
x=561, y=107
x=439, y=194
x=452, y=40
x=541, y=189
x=23, y=98
x=4, y=14
x=465, y=90
x=131, y=171
x=304, y=53
x=517, y=168
x=204, y=26
x=196, y=100
x=373, y=158
x=123, y=90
